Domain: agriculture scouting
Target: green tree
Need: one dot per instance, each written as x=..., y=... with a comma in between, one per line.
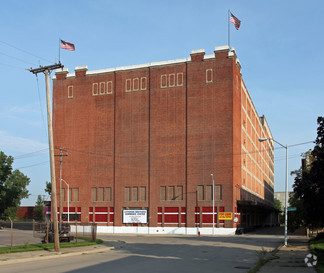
x=309, y=183
x=48, y=188
x=39, y=209
x=13, y=187
x=296, y=218
x=277, y=204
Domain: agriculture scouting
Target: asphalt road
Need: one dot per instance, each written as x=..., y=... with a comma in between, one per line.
x=161, y=254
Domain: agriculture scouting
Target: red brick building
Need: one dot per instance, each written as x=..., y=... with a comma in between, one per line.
x=148, y=137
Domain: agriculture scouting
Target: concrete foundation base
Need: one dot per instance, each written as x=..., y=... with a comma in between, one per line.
x=156, y=230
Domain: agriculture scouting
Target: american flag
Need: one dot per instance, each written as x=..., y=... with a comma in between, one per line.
x=235, y=21
x=67, y=45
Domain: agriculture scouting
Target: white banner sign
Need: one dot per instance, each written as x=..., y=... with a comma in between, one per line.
x=135, y=216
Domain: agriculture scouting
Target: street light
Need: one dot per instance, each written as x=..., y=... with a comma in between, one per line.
x=68, y=197
x=286, y=191
x=212, y=175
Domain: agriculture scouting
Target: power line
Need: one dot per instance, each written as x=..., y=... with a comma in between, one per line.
x=40, y=104
x=29, y=154
x=303, y=143
x=18, y=59
x=12, y=66
x=24, y=51
x=37, y=164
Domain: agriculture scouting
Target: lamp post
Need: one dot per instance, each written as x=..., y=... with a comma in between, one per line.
x=212, y=175
x=68, y=198
x=286, y=190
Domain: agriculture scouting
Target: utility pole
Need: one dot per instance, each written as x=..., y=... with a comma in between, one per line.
x=60, y=191
x=46, y=70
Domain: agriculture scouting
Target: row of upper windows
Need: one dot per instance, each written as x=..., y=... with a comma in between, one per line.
x=140, y=84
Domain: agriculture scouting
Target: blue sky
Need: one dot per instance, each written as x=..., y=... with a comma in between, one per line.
x=279, y=44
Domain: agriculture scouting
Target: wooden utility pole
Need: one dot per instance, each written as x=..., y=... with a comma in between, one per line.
x=60, y=190
x=46, y=70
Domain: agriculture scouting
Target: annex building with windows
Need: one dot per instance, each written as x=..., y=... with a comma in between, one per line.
x=143, y=141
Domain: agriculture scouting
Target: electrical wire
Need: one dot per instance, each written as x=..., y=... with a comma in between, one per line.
x=303, y=143
x=40, y=104
x=24, y=51
x=37, y=164
x=18, y=59
x=12, y=66
x=30, y=154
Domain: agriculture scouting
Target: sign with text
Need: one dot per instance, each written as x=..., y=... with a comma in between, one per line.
x=225, y=216
x=135, y=216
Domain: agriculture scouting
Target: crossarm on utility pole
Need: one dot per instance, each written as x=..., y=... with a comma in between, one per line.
x=46, y=70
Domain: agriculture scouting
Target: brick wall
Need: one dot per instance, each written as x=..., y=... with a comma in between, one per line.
x=134, y=130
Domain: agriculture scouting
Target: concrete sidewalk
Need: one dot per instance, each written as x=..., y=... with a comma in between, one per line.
x=290, y=259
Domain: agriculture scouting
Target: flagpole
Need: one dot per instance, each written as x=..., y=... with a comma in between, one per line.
x=229, y=40
x=59, y=50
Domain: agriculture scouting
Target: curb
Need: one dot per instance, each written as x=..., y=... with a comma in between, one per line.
x=53, y=256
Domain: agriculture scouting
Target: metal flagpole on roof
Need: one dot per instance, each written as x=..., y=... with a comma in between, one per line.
x=59, y=50
x=228, y=19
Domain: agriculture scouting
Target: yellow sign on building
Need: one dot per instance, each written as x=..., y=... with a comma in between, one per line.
x=225, y=216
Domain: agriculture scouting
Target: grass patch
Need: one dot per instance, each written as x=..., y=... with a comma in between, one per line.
x=264, y=256
x=317, y=248
x=35, y=247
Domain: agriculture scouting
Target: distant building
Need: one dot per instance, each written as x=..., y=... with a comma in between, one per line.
x=143, y=141
x=281, y=195
x=307, y=160
x=26, y=212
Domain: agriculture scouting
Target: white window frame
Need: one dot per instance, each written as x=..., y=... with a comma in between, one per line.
x=136, y=84
x=143, y=83
x=174, y=80
x=128, y=81
x=210, y=70
x=164, y=76
x=70, y=91
x=109, y=87
x=95, y=89
x=181, y=77
x=102, y=88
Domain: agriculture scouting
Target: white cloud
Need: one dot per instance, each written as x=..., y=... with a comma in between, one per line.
x=19, y=144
